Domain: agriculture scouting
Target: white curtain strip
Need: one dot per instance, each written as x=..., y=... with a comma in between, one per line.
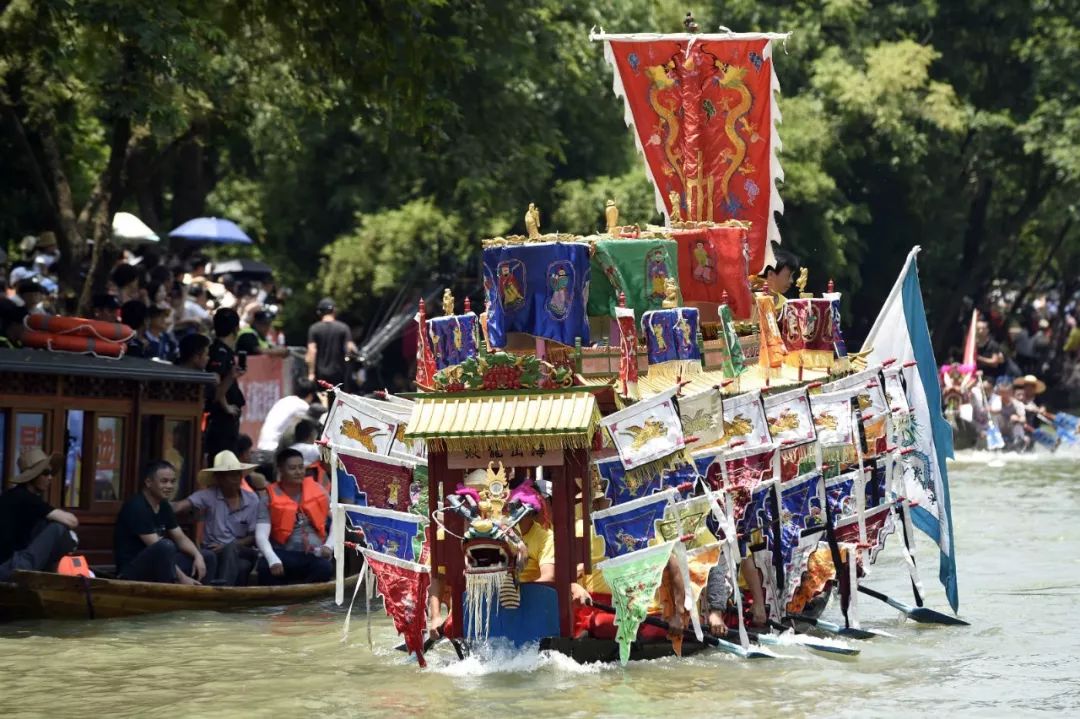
x=688, y=590
x=360, y=579
x=338, y=527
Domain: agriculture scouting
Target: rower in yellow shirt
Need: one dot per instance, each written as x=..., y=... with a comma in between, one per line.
x=536, y=552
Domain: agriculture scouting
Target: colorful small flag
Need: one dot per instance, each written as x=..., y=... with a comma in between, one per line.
x=671, y=334
x=733, y=362
x=629, y=527
x=702, y=416
x=622, y=486
x=789, y=417
x=363, y=424
x=833, y=418
x=647, y=432
x=802, y=525
x=634, y=579
x=628, y=367
x=454, y=339
x=400, y=534
x=403, y=586
x=381, y=482
x=745, y=422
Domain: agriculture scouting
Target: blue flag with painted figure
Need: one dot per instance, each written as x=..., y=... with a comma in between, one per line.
x=621, y=488
x=399, y=534
x=900, y=333
x=539, y=288
x=629, y=527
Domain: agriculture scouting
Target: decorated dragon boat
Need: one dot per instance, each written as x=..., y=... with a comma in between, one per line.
x=641, y=446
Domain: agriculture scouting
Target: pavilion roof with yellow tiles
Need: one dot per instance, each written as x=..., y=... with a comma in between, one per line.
x=458, y=421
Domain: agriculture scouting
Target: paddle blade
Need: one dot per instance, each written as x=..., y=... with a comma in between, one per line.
x=924, y=615
x=862, y=633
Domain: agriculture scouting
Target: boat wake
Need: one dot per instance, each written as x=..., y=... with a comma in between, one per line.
x=1000, y=459
x=501, y=657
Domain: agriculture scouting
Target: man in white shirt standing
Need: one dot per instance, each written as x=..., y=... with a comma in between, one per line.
x=286, y=412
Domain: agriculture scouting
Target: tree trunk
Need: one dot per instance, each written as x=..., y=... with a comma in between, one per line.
x=970, y=264
x=111, y=186
x=70, y=240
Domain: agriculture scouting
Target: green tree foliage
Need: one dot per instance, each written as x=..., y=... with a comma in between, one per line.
x=369, y=148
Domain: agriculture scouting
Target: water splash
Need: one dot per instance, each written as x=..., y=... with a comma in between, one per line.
x=499, y=656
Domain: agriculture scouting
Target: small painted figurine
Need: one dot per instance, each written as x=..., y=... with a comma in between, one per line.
x=611, y=214
x=532, y=222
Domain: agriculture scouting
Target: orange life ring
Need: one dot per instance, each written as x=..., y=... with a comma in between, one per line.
x=80, y=327
x=72, y=343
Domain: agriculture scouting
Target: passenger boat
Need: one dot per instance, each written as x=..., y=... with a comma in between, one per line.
x=46, y=595
x=728, y=427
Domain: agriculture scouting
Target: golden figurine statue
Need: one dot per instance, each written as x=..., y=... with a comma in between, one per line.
x=532, y=222
x=611, y=214
x=671, y=294
x=676, y=212
x=447, y=302
x=804, y=274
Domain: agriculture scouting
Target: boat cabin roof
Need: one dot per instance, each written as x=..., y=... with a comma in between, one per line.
x=35, y=361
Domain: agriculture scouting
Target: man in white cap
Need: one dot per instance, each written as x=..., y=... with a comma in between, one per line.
x=33, y=535
x=228, y=514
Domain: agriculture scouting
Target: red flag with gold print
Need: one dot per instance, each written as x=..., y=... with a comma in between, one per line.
x=704, y=115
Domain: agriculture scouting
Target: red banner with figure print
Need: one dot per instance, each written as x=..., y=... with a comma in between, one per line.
x=713, y=262
x=704, y=114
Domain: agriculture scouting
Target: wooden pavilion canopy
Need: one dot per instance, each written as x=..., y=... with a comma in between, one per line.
x=515, y=426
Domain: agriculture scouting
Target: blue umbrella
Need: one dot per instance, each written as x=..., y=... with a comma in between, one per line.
x=211, y=229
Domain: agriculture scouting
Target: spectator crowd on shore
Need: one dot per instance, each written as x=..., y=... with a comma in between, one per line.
x=1024, y=376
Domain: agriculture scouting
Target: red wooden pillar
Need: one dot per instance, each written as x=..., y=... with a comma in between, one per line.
x=448, y=555
x=563, y=490
x=577, y=465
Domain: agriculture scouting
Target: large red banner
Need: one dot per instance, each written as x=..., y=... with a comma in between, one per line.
x=703, y=113
x=263, y=384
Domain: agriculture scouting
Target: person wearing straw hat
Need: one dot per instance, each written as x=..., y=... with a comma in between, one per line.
x=228, y=513
x=33, y=534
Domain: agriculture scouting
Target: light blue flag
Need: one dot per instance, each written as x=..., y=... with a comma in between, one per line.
x=900, y=333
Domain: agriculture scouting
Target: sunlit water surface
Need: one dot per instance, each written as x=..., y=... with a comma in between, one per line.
x=1018, y=539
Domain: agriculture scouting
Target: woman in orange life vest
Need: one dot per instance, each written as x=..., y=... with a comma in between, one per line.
x=292, y=529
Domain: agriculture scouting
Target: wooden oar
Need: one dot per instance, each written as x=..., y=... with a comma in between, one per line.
x=923, y=615
x=836, y=628
x=826, y=648
x=709, y=639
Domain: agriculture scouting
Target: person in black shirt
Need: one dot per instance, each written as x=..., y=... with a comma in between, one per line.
x=148, y=544
x=328, y=343
x=988, y=355
x=33, y=535
x=224, y=407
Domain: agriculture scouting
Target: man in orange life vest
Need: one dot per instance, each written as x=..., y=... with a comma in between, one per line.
x=292, y=530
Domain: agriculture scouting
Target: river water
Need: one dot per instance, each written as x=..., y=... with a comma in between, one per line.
x=1017, y=536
